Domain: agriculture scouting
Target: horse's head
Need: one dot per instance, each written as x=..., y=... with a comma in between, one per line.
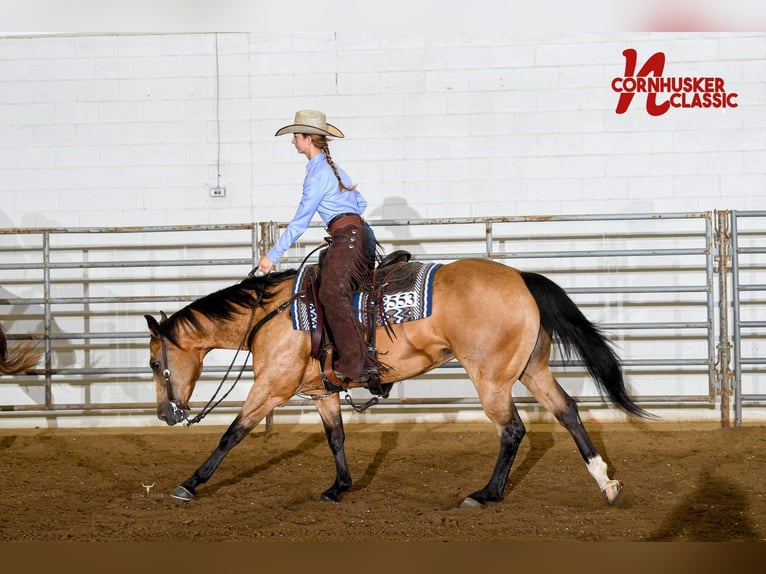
x=176, y=371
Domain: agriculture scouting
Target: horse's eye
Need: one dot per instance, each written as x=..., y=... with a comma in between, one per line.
x=154, y=365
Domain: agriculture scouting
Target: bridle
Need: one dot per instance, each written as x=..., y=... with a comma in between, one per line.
x=180, y=411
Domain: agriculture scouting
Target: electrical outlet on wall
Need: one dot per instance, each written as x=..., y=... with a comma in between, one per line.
x=217, y=192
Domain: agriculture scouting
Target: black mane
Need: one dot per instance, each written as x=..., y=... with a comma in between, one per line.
x=222, y=305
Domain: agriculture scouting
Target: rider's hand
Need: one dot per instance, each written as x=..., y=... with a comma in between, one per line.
x=265, y=265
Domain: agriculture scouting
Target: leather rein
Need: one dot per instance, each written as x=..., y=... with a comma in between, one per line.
x=247, y=339
x=179, y=412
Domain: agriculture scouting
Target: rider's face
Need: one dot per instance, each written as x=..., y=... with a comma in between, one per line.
x=302, y=143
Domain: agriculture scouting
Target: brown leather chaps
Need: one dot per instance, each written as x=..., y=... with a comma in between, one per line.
x=347, y=265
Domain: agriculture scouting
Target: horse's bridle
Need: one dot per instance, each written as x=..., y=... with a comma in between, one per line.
x=180, y=413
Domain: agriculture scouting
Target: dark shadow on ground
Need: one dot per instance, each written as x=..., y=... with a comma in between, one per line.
x=388, y=442
x=539, y=444
x=717, y=511
x=310, y=443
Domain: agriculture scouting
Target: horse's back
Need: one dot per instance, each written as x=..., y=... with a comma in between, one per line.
x=482, y=268
x=485, y=283
x=480, y=304
x=483, y=315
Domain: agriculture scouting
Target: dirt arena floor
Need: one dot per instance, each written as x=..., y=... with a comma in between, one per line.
x=682, y=483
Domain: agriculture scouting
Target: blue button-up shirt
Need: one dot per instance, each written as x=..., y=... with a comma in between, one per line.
x=323, y=195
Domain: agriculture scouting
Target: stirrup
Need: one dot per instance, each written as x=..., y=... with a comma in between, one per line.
x=369, y=375
x=361, y=408
x=330, y=379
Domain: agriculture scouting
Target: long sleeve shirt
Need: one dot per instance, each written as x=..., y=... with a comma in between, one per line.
x=323, y=195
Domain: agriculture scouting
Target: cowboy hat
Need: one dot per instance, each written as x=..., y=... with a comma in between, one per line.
x=310, y=122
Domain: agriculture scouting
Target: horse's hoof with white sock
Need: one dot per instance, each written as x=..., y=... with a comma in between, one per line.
x=612, y=491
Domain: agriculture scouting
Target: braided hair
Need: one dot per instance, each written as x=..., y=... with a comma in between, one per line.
x=321, y=142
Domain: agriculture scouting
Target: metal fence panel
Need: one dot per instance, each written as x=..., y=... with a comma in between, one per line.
x=748, y=254
x=648, y=279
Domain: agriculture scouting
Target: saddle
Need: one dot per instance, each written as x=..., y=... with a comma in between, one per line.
x=391, y=274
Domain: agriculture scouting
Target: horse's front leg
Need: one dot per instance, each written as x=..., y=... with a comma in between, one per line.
x=231, y=438
x=263, y=398
x=510, y=439
x=329, y=410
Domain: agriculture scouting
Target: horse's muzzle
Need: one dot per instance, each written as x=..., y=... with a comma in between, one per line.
x=172, y=412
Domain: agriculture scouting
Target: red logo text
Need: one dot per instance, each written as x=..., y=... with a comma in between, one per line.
x=664, y=92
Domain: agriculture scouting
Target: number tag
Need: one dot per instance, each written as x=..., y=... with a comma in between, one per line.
x=396, y=301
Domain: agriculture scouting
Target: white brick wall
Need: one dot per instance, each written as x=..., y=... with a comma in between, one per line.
x=458, y=125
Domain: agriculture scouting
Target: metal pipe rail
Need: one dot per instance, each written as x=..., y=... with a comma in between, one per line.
x=745, y=262
x=68, y=261
x=46, y=250
x=704, y=257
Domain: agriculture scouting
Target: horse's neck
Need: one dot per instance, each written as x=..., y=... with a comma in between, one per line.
x=222, y=334
x=233, y=333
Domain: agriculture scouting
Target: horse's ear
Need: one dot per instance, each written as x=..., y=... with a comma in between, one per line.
x=163, y=317
x=154, y=326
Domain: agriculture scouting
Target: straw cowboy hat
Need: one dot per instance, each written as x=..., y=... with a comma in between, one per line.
x=310, y=122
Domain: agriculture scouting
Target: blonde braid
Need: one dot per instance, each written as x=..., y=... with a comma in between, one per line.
x=322, y=143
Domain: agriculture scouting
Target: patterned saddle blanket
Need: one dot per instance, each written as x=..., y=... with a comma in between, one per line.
x=407, y=296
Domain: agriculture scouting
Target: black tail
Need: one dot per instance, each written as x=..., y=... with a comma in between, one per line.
x=561, y=318
x=23, y=358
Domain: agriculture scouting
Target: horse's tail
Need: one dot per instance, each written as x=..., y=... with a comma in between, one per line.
x=562, y=319
x=20, y=359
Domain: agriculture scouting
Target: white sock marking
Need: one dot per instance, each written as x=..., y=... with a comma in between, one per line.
x=597, y=469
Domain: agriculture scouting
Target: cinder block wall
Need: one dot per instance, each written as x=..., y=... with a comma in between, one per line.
x=128, y=129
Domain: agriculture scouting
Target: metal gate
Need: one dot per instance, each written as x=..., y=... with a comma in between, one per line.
x=648, y=279
x=748, y=265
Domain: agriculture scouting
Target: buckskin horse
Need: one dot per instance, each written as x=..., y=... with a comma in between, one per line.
x=497, y=321
x=22, y=358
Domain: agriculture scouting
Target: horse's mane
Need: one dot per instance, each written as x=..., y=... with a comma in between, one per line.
x=223, y=305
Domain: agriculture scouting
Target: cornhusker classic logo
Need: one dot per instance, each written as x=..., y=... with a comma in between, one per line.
x=677, y=92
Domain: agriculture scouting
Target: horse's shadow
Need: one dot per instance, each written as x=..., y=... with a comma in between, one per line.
x=308, y=444
x=716, y=511
x=7, y=442
x=388, y=442
x=539, y=444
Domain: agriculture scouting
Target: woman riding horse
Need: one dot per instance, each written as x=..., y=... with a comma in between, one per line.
x=350, y=257
x=498, y=322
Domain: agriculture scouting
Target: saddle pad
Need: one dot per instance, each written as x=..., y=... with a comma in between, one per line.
x=409, y=304
x=302, y=310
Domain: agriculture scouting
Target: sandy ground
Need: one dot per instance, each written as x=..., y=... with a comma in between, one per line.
x=681, y=484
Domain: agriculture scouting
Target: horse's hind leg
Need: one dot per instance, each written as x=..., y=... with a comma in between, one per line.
x=329, y=410
x=550, y=394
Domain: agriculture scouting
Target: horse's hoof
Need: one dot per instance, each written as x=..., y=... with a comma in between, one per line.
x=470, y=503
x=327, y=498
x=611, y=492
x=181, y=493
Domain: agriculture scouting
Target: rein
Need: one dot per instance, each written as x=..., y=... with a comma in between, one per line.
x=247, y=339
x=208, y=408
x=166, y=375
